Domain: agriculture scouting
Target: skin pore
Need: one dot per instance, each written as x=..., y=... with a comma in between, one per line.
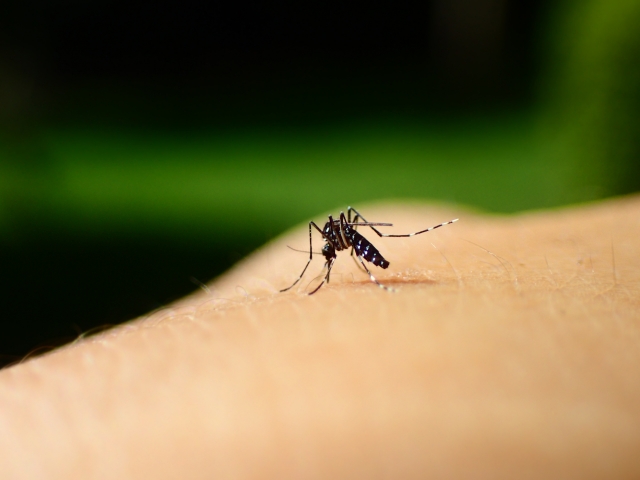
x=509, y=349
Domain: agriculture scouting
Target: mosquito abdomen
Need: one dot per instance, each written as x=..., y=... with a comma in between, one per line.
x=366, y=250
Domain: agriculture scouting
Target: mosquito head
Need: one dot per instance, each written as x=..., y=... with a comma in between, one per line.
x=329, y=252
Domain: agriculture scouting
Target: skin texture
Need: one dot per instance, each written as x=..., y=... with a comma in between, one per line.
x=510, y=349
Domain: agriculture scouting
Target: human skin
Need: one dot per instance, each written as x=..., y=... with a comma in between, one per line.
x=509, y=349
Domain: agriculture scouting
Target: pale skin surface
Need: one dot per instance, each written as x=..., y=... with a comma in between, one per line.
x=515, y=356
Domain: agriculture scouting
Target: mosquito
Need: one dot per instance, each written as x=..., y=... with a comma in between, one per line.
x=341, y=234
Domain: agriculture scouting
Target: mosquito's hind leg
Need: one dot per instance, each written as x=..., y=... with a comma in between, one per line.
x=354, y=259
x=380, y=234
x=373, y=279
x=357, y=215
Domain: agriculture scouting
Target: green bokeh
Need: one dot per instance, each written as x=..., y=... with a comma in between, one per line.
x=250, y=183
x=257, y=183
x=593, y=94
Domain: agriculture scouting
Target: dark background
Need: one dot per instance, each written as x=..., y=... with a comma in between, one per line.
x=148, y=147
x=194, y=63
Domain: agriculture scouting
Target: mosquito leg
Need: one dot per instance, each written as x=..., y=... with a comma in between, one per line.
x=325, y=279
x=355, y=216
x=380, y=234
x=354, y=259
x=355, y=223
x=373, y=279
x=355, y=219
x=417, y=233
x=311, y=224
x=338, y=232
x=344, y=222
x=358, y=216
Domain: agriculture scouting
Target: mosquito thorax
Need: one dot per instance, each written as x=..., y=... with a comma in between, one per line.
x=329, y=252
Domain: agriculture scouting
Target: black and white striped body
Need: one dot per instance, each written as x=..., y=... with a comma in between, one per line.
x=339, y=236
x=342, y=234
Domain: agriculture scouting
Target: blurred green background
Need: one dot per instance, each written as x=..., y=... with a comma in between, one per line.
x=145, y=149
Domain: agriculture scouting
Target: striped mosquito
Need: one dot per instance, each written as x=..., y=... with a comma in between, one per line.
x=341, y=234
